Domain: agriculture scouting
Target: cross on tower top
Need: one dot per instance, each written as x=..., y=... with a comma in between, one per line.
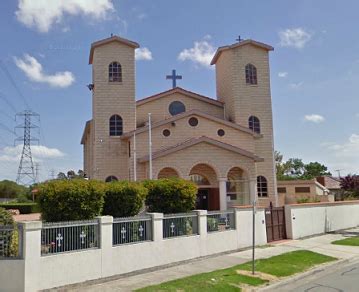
x=174, y=77
x=239, y=39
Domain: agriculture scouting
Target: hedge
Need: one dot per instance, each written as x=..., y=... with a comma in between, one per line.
x=171, y=195
x=124, y=199
x=67, y=200
x=24, y=208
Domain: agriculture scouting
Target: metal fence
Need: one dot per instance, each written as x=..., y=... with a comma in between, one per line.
x=10, y=241
x=131, y=230
x=59, y=237
x=180, y=225
x=220, y=220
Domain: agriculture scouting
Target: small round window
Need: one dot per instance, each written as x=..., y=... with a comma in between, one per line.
x=166, y=132
x=193, y=122
x=176, y=107
x=220, y=132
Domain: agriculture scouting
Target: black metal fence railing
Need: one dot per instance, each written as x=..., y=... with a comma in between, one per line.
x=184, y=224
x=131, y=230
x=59, y=237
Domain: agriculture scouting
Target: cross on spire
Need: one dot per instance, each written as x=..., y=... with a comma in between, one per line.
x=174, y=77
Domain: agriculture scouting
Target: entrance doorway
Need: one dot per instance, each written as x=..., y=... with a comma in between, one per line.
x=202, y=199
x=275, y=223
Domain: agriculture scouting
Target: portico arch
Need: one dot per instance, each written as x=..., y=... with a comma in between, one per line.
x=167, y=172
x=205, y=176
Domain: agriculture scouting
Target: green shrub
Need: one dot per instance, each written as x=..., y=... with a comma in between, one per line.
x=307, y=200
x=172, y=195
x=5, y=217
x=10, y=189
x=67, y=200
x=123, y=198
x=24, y=208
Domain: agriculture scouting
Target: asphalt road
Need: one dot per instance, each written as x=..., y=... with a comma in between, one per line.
x=345, y=278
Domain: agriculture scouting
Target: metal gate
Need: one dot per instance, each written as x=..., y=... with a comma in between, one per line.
x=275, y=223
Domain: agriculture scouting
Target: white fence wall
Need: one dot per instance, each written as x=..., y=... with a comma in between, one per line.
x=317, y=218
x=36, y=272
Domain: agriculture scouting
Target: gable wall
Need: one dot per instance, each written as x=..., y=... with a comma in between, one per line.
x=159, y=108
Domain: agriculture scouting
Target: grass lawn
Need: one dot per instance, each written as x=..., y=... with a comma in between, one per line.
x=229, y=280
x=353, y=241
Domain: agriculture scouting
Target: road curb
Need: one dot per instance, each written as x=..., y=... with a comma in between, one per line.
x=328, y=267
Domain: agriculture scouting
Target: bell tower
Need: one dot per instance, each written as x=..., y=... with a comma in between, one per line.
x=243, y=84
x=113, y=104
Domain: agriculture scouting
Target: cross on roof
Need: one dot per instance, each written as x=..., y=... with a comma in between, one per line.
x=239, y=39
x=174, y=77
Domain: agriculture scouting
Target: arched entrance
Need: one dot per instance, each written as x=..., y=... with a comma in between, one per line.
x=167, y=172
x=237, y=187
x=208, y=193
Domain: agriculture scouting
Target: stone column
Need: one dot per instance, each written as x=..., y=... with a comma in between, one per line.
x=106, y=234
x=252, y=190
x=157, y=226
x=31, y=254
x=202, y=222
x=222, y=193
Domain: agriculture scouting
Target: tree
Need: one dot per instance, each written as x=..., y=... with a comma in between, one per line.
x=71, y=175
x=350, y=185
x=295, y=168
x=314, y=169
x=10, y=189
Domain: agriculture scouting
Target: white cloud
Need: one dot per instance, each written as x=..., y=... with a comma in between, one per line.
x=297, y=85
x=42, y=14
x=295, y=37
x=282, y=74
x=143, y=54
x=34, y=71
x=314, y=118
x=201, y=53
x=39, y=153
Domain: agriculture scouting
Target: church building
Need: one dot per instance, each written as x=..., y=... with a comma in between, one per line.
x=223, y=144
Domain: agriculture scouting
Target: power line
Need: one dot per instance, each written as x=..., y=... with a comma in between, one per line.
x=7, y=129
x=7, y=115
x=3, y=97
x=8, y=75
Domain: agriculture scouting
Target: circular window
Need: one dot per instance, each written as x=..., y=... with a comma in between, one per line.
x=193, y=122
x=176, y=107
x=220, y=132
x=166, y=132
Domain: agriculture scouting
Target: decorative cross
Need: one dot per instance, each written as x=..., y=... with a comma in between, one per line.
x=239, y=39
x=140, y=230
x=59, y=238
x=226, y=221
x=123, y=232
x=174, y=77
x=172, y=227
x=82, y=236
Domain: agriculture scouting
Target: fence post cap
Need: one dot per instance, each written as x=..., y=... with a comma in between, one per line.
x=105, y=219
x=31, y=225
x=201, y=212
x=156, y=215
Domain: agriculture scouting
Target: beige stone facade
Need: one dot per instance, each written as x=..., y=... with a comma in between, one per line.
x=209, y=141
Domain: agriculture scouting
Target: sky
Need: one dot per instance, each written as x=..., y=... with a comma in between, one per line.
x=314, y=68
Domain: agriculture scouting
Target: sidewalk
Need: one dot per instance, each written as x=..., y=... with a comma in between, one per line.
x=320, y=244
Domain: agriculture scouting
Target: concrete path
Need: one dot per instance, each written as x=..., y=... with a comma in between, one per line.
x=320, y=244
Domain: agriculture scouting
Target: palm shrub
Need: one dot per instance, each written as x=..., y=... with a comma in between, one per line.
x=67, y=200
x=123, y=198
x=171, y=195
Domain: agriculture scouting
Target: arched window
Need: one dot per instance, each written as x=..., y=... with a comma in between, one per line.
x=111, y=178
x=251, y=74
x=116, y=125
x=254, y=124
x=115, y=72
x=262, y=187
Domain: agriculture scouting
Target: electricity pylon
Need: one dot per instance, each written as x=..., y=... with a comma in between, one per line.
x=26, y=173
